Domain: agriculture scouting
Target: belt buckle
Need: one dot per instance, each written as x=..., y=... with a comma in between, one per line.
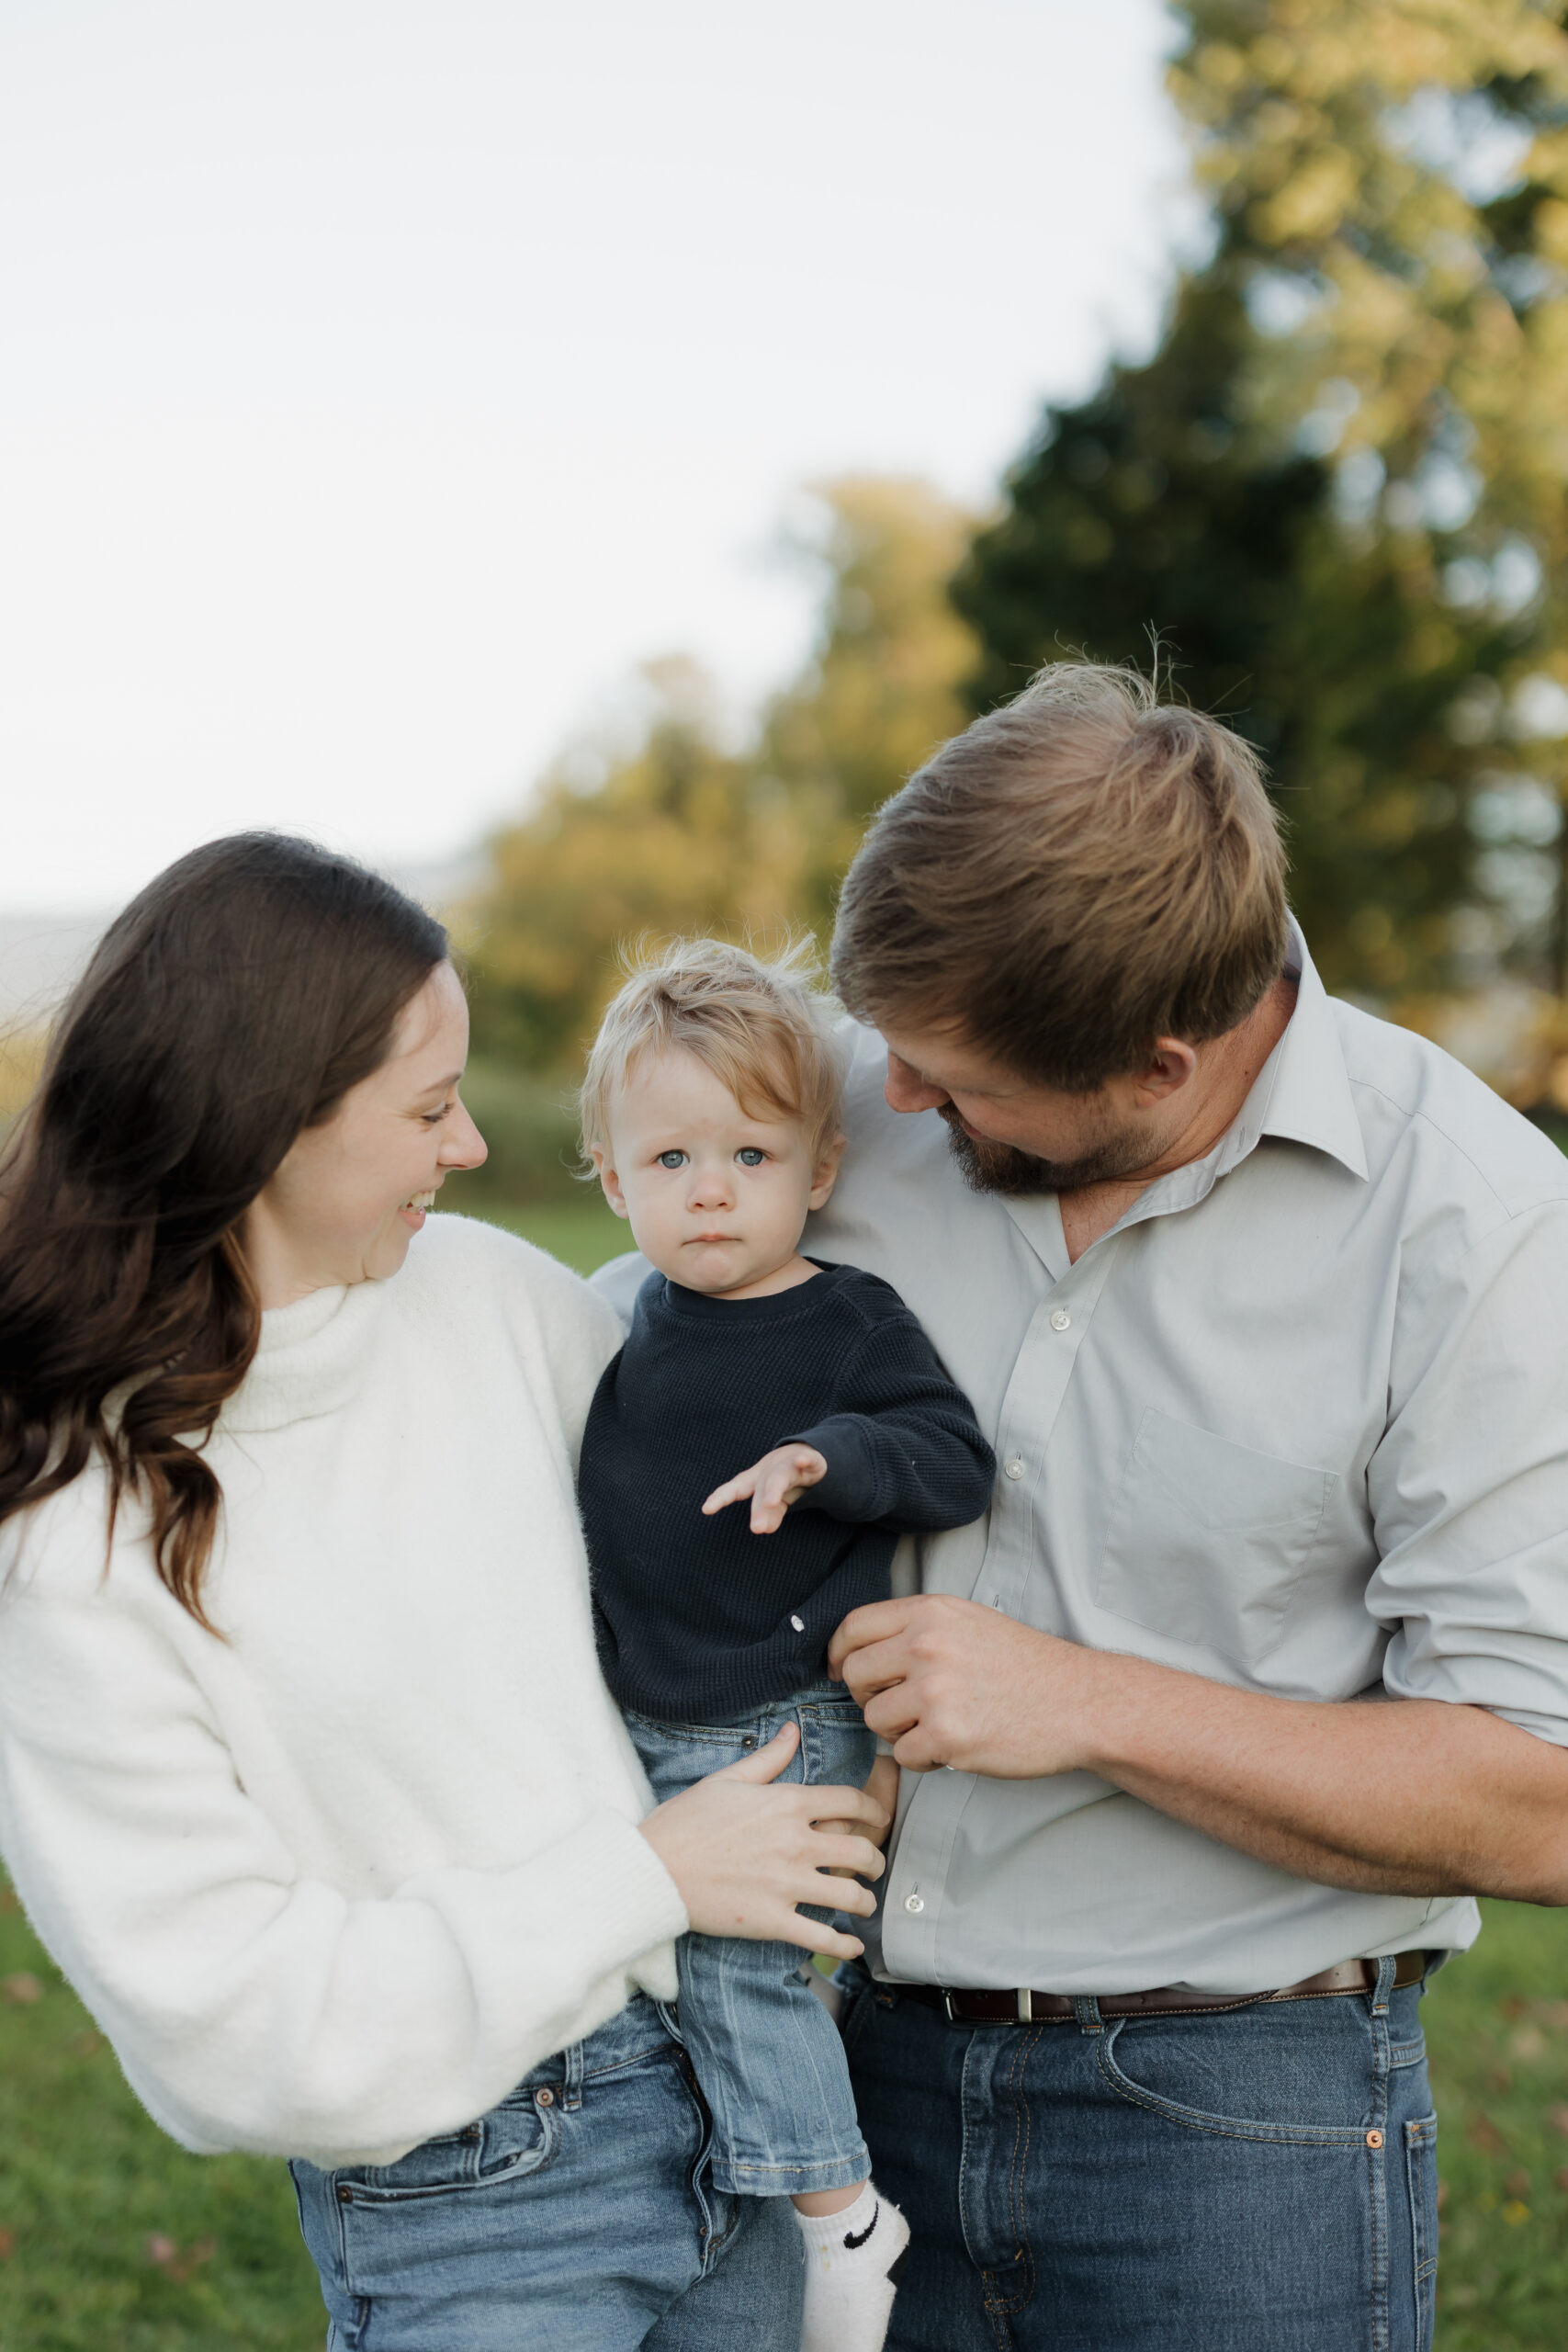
x=947, y=2004
x=1025, y=2005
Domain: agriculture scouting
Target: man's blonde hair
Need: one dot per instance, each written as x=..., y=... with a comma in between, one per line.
x=1079, y=873
x=760, y=1025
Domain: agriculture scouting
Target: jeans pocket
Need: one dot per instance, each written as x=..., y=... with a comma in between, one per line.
x=519, y=2136
x=1294, y=2130
x=1421, y=2173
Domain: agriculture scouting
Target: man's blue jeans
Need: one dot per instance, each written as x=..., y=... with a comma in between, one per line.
x=1261, y=2177
x=575, y=2217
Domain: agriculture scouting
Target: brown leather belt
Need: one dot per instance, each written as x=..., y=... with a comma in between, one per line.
x=1028, y=2008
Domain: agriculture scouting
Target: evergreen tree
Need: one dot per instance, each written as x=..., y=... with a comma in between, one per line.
x=1335, y=495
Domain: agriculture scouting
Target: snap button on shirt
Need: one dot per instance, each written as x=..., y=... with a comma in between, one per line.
x=1060, y=1319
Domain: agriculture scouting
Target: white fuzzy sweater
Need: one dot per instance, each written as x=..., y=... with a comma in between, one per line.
x=332, y=1885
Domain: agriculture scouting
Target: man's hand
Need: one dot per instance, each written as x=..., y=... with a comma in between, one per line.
x=779, y=1479
x=949, y=1682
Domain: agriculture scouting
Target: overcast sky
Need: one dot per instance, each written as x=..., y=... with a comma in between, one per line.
x=380, y=381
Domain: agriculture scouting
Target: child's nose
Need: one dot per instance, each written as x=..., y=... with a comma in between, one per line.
x=712, y=1188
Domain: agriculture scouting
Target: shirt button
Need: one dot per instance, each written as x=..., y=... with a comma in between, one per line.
x=914, y=1903
x=799, y=1624
x=1013, y=1469
x=1060, y=1319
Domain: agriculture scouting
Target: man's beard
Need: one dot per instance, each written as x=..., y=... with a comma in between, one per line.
x=987, y=1167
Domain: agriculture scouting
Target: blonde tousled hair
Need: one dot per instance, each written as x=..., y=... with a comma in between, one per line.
x=761, y=1024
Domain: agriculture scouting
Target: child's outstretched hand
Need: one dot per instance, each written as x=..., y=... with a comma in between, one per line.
x=779, y=1479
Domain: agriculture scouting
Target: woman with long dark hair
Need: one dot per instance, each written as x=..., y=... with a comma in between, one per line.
x=308, y=1778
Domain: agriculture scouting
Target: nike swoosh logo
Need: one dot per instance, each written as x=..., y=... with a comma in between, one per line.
x=852, y=2242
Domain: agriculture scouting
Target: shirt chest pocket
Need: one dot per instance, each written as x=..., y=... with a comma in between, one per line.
x=1207, y=1539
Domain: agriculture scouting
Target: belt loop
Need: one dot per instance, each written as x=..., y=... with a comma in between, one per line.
x=1086, y=2008
x=571, y=2078
x=1388, y=1969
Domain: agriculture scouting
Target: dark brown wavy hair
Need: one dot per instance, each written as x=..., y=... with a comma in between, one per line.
x=231, y=1005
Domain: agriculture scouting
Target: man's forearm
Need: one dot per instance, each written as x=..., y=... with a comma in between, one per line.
x=1415, y=1797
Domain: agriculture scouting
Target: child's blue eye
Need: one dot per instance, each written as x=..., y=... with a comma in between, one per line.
x=671, y=1159
x=750, y=1157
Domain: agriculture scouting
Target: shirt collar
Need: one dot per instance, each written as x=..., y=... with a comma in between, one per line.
x=1302, y=1093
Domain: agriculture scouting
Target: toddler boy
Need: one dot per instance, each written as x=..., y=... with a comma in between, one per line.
x=808, y=1391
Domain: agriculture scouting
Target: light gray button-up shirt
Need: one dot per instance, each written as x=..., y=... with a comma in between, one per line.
x=1298, y=1423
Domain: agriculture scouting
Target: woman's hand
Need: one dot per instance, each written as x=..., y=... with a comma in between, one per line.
x=744, y=1855
x=882, y=1787
x=779, y=1479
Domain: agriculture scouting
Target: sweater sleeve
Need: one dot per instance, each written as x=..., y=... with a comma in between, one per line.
x=903, y=1447
x=253, y=2006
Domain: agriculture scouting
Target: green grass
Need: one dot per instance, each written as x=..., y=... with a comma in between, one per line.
x=1498, y=2032
x=113, y=2240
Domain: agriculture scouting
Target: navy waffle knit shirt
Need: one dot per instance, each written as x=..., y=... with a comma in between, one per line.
x=698, y=1619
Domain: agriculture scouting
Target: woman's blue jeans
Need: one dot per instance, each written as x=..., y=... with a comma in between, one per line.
x=1261, y=2177
x=577, y=2216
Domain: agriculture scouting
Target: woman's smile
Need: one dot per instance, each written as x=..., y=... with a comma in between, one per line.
x=413, y=1212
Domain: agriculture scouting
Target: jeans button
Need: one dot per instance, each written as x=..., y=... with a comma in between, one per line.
x=546, y=2098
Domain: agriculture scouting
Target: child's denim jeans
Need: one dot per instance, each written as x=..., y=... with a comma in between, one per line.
x=766, y=2051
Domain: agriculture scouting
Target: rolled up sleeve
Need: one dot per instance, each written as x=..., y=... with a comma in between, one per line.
x=1468, y=1487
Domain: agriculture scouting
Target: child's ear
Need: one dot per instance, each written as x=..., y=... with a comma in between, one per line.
x=825, y=1175
x=609, y=1180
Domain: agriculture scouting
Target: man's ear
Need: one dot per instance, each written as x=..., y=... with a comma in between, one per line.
x=1167, y=1070
x=825, y=1175
x=609, y=1180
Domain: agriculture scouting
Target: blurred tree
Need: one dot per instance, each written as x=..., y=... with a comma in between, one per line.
x=1336, y=491
x=658, y=838
x=884, y=687
x=673, y=832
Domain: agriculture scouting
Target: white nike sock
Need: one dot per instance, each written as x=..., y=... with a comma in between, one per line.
x=848, y=2295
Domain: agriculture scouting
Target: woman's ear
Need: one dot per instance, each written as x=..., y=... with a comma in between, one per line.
x=825, y=1175
x=609, y=1180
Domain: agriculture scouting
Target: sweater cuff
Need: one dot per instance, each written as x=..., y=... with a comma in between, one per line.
x=851, y=1490
x=621, y=1891
x=599, y=1897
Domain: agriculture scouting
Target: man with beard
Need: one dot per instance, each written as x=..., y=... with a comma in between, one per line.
x=1256, y=1671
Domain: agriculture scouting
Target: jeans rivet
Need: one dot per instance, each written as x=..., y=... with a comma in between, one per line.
x=750, y=1740
x=345, y=2197
x=546, y=2098
x=1374, y=2139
